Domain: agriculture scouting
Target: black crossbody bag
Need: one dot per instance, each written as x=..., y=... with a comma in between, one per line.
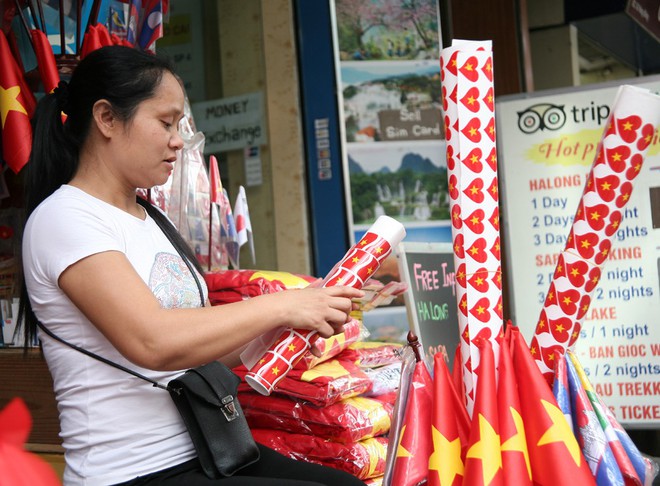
x=206, y=399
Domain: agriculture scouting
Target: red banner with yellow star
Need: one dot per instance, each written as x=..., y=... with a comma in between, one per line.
x=450, y=429
x=554, y=453
x=483, y=460
x=14, y=118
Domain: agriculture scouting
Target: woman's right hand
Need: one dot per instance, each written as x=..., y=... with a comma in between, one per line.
x=324, y=310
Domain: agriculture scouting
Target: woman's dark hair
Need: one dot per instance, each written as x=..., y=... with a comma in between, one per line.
x=123, y=76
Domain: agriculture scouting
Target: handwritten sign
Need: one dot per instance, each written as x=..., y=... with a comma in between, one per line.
x=428, y=269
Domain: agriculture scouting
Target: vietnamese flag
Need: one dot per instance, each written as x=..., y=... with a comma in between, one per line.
x=554, y=453
x=50, y=77
x=411, y=463
x=20, y=467
x=513, y=440
x=14, y=119
x=483, y=461
x=91, y=41
x=215, y=181
x=449, y=429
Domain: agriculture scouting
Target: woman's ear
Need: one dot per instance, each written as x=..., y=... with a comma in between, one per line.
x=104, y=117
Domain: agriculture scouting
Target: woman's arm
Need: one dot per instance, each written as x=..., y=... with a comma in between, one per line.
x=111, y=294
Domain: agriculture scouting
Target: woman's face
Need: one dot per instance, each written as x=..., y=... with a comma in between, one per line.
x=147, y=148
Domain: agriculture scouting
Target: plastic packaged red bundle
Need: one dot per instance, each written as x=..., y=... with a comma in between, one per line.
x=332, y=346
x=323, y=385
x=372, y=354
x=235, y=285
x=346, y=421
x=364, y=459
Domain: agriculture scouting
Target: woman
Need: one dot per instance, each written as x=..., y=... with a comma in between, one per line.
x=101, y=274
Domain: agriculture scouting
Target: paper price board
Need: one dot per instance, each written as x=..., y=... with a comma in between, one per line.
x=428, y=269
x=546, y=146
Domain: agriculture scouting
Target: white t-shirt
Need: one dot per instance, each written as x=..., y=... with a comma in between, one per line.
x=114, y=426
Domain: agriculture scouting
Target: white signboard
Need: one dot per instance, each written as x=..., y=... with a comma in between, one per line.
x=547, y=144
x=231, y=123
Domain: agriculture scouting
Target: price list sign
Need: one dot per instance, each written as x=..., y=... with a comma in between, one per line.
x=547, y=144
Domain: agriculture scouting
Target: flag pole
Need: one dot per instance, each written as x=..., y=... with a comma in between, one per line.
x=413, y=342
x=210, y=230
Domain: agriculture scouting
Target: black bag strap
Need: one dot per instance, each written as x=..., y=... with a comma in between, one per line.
x=117, y=365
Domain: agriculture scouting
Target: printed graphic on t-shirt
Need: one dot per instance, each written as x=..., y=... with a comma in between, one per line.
x=172, y=283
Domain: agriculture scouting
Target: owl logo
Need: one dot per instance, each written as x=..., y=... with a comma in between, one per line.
x=543, y=116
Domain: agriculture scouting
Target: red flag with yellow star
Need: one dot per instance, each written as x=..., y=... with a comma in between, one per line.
x=450, y=425
x=513, y=442
x=483, y=461
x=411, y=463
x=50, y=77
x=14, y=119
x=554, y=452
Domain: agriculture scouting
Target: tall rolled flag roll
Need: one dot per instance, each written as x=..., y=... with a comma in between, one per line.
x=469, y=105
x=620, y=154
x=358, y=265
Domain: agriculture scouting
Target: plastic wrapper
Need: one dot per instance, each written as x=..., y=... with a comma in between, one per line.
x=372, y=354
x=323, y=385
x=346, y=421
x=384, y=379
x=362, y=260
x=236, y=285
x=328, y=348
x=364, y=459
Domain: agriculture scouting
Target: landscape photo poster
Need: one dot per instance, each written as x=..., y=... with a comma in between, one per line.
x=391, y=115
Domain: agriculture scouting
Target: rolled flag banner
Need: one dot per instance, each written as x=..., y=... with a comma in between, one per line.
x=357, y=266
x=619, y=157
x=468, y=98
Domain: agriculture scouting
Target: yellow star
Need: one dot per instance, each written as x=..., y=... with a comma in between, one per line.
x=379, y=249
x=292, y=347
x=532, y=350
x=355, y=259
x=275, y=371
x=474, y=250
x=595, y=215
x=446, y=457
x=9, y=102
x=469, y=67
x=559, y=431
x=586, y=244
x=626, y=196
x=627, y=126
x=478, y=281
x=605, y=186
x=474, y=159
x=541, y=324
x=616, y=157
x=473, y=131
x=567, y=300
x=559, y=328
x=474, y=220
x=470, y=100
x=474, y=190
x=400, y=450
x=518, y=442
x=369, y=270
x=487, y=449
x=575, y=272
x=480, y=310
x=363, y=242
